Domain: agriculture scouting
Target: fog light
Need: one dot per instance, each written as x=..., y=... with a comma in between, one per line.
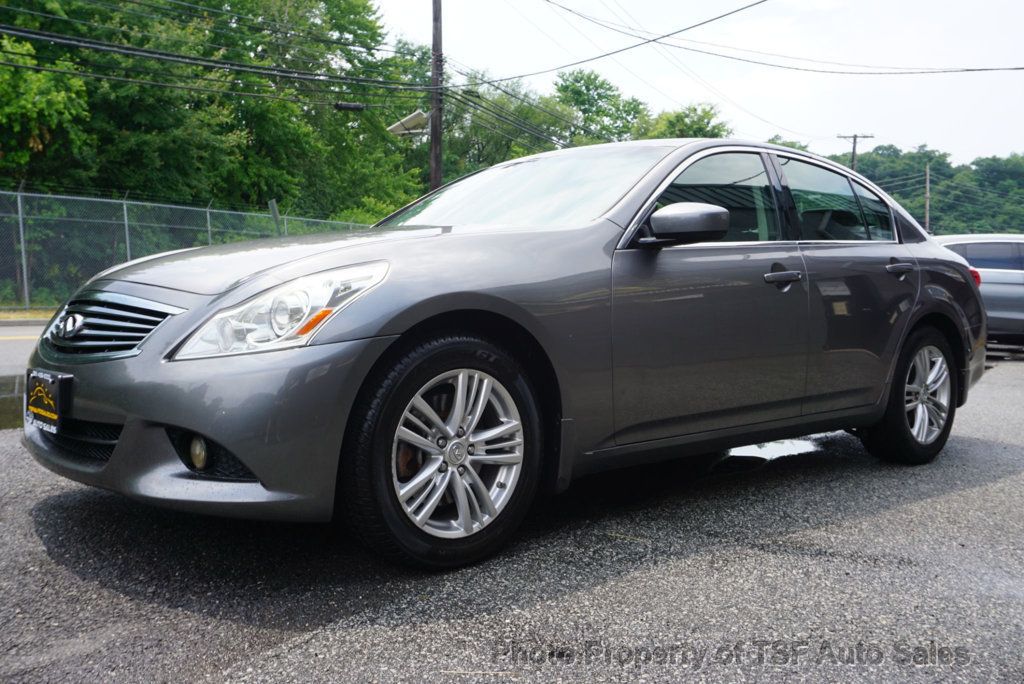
x=197, y=452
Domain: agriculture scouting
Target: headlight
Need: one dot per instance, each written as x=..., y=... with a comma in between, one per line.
x=286, y=316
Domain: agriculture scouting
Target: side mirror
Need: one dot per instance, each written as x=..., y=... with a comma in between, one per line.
x=688, y=222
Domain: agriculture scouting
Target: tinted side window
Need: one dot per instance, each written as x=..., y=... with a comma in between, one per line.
x=959, y=249
x=734, y=180
x=876, y=212
x=826, y=206
x=994, y=255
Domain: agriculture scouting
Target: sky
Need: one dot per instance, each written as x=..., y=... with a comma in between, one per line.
x=968, y=115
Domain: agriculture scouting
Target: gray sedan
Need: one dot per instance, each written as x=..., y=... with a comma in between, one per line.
x=999, y=260
x=548, y=317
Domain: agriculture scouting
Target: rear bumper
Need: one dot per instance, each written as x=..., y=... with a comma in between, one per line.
x=282, y=414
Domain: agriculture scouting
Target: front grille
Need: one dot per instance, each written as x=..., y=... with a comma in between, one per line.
x=105, y=322
x=85, y=440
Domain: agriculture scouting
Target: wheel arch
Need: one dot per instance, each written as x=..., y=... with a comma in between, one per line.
x=958, y=341
x=509, y=334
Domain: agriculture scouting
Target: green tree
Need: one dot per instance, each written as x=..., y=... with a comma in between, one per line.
x=693, y=121
x=42, y=114
x=779, y=140
x=984, y=196
x=235, y=138
x=601, y=112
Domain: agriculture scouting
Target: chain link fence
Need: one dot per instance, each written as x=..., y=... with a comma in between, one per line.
x=51, y=244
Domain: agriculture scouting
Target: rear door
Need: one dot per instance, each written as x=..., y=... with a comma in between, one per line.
x=701, y=340
x=862, y=284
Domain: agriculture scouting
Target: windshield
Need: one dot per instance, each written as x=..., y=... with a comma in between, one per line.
x=571, y=188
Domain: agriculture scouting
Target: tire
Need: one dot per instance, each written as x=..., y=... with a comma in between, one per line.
x=893, y=438
x=378, y=462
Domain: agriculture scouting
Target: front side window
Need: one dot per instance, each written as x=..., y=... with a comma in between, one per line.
x=734, y=180
x=876, y=214
x=1002, y=255
x=825, y=203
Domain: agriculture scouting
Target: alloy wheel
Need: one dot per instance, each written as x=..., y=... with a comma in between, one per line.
x=927, y=394
x=457, y=453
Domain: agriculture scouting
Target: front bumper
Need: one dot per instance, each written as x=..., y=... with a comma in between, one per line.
x=282, y=414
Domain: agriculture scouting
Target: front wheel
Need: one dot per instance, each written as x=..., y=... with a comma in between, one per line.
x=922, y=402
x=443, y=461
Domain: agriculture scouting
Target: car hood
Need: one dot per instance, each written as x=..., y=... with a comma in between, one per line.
x=213, y=270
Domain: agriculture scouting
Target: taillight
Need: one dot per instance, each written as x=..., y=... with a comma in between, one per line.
x=977, y=276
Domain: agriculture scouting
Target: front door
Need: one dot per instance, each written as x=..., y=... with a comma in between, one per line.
x=701, y=340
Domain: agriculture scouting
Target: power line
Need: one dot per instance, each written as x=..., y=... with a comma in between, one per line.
x=512, y=122
x=629, y=47
x=230, y=66
x=254, y=22
x=482, y=122
x=134, y=30
x=144, y=33
x=984, y=191
x=635, y=75
x=152, y=72
x=498, y=131
x=899, y=181
x=161, y=55
x=918, y=174
x=610, y=24
x=310, y=55
x=504, y=111
x=898, y=72
x=686, y=70
x=160, y=84
x=524, y=100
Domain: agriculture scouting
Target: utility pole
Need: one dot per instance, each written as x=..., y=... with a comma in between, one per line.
x=854, y=138
x=927, y=198
x=436, y=102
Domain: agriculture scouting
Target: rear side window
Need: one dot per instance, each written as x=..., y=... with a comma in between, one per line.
x=734, y=180
x=1005, y=255
x=826, y=206
x=876, y=214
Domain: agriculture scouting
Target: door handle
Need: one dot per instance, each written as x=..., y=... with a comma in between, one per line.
x=780, y=277
x=900, y=268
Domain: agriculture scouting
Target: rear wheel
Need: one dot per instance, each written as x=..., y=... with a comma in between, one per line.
x=443, y=461
x=922, y=402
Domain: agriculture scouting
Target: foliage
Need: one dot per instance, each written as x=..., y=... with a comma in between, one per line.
x=694, y=121
x=233, y=138
x=779, y=140
x=193, y=146
x=41, y=113
x=602, y=113
x=984, y=196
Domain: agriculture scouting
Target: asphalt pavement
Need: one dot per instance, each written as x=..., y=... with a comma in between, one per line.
x=819, y=564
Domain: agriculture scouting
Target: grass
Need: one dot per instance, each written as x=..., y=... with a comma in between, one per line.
x=22, y=314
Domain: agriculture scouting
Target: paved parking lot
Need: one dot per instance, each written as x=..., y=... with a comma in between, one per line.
x=822, y=564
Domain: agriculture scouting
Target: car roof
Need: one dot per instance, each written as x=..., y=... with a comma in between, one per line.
x=979, y=237
x=675, y=144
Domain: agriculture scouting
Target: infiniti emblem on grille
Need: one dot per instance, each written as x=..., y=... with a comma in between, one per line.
x=69, y=326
